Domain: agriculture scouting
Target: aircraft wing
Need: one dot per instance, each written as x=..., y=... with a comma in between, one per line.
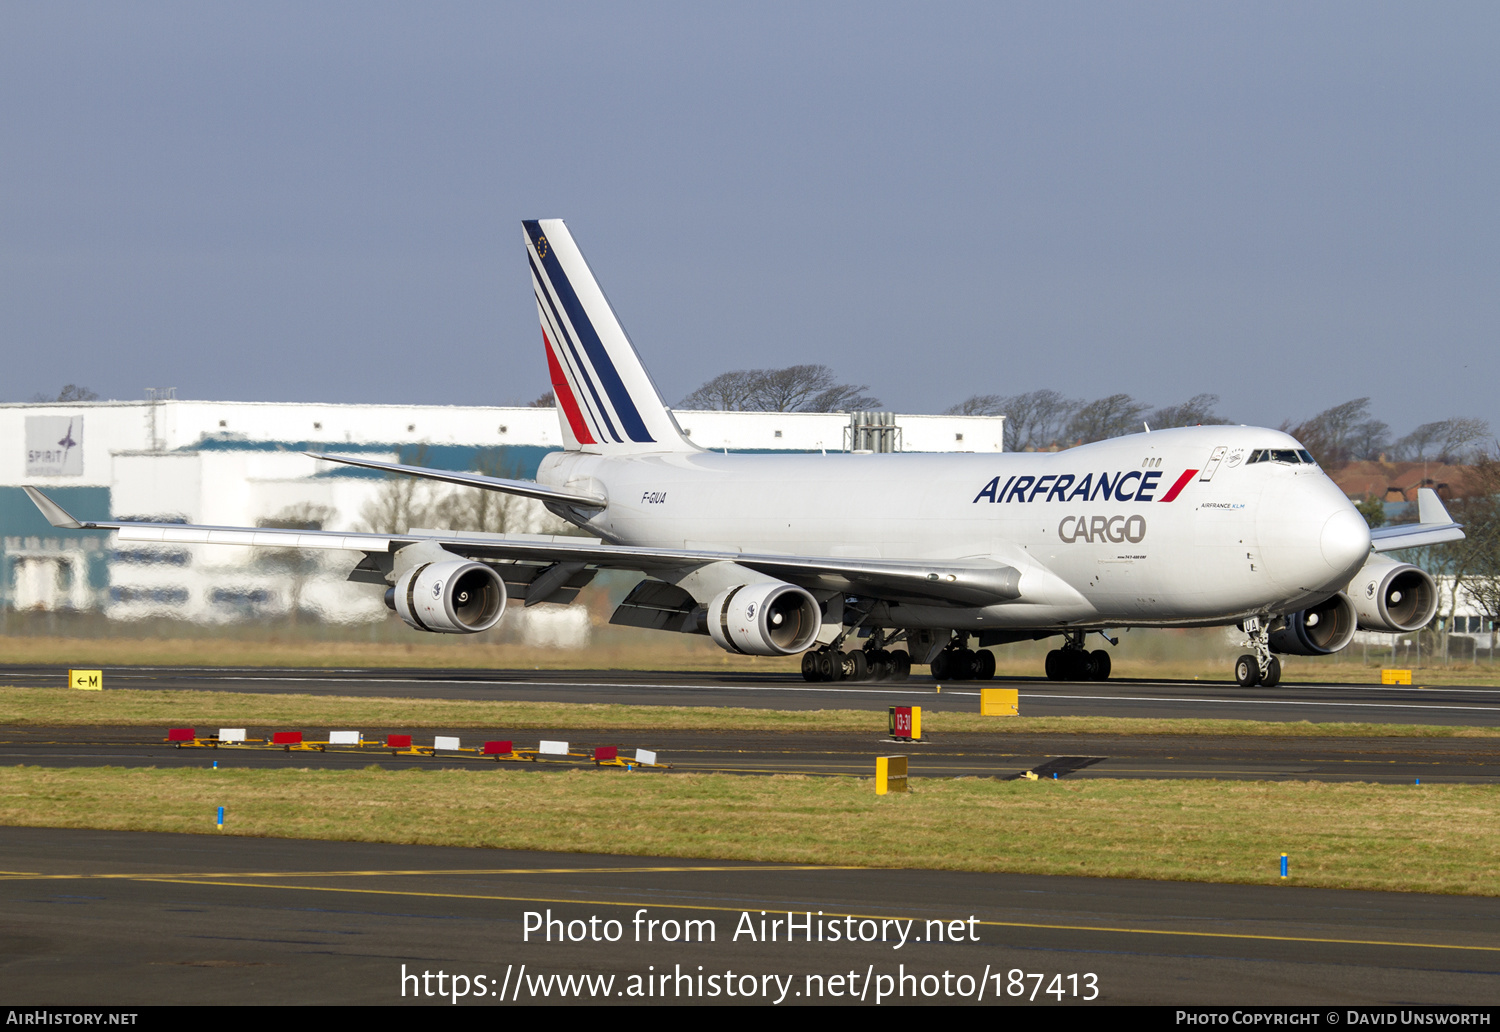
x=524, y=488
x=1433, y=527
x=954, y=582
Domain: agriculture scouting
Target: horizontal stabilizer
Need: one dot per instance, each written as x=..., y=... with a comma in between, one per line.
x=56, y=514
x=523, y=488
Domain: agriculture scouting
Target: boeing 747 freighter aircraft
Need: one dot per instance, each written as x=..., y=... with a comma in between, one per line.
x=780, y=554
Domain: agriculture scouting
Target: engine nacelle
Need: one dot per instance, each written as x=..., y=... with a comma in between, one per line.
x=767, y=619
x=1393, y=597
x=456, y=597
x=1317, y=630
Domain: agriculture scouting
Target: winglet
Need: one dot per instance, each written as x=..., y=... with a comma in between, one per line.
x=1430, y=507
x=56, y=514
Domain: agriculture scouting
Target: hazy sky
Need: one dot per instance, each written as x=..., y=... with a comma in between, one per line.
x=1286, y=205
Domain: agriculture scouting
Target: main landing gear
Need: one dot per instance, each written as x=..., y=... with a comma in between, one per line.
x=958, y=662
x=874, y=662
x=1074, y=662
x=1259, y=668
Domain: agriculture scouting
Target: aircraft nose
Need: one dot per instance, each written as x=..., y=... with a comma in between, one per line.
x=1345, y=541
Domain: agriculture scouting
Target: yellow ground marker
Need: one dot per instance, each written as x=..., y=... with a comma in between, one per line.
x=999, y=702
x=1388, y=676
x=890, y=774
x=87, y=680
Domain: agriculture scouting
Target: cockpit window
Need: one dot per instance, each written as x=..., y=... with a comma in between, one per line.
x=1297, y=457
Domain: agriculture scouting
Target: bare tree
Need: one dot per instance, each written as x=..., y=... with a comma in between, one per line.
x=1449, y=440
x=1196, y=411
x=799, y=388
x=547, y=400
x=1114, y=416
x=401, y=503
x=978, y=405
x=70, y=392
x=1479, y=512
x=1033, y=420
x=727, y=392
x=842, y=398
x=1332, y=433
x=1369, y=439
x=295, y=565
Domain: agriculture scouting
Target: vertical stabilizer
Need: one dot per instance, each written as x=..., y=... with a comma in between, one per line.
x=605, y=398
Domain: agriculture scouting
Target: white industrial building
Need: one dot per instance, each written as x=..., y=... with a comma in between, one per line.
x=242, y=464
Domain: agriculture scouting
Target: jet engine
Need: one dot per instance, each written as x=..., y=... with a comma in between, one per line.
x=1317, y=630
x=1391, y=596
x=772, y=618
x=455, y=597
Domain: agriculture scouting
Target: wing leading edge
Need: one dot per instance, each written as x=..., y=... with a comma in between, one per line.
x=960, y=582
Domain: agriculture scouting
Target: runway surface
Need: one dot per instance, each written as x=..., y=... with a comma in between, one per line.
x=835, y=754
x=132, y=918
x=1130, y=698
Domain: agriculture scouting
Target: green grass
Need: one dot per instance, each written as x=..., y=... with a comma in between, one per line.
x=1432, y=838
x=59, y=707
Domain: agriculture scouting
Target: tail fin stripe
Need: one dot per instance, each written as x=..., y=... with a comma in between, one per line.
x=624, y=407
x=564, y=394
x=579, y=364
x=574, y=362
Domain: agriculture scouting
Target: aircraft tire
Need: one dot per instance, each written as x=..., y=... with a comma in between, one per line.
x=881, y=667
x=828, y=667
x=810, y=666
x=984, y=665
x=1102, y=664
x=857, y=666
x=942, y=666
x=1273, y=674
x=1055, y=665
x=900, y=666
x=1080, y=666
x=963, y=665
x=1246, y=671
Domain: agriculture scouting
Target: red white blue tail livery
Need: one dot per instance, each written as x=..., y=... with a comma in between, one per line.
x=605, y=397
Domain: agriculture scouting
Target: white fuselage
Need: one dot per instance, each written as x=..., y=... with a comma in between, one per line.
x=1116, y=533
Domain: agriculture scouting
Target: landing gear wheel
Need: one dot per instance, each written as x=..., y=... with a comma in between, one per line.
x=856, y=666
x=942, y=666
x=1272, y=677
x=1056, y=665
x=880, y=665
x=810, y=666
x=900, y=666
x=1246, y=671
x=1080, y=666
x=828, y=668
x=984, y=665
x=963, y=665
x=1101, y=664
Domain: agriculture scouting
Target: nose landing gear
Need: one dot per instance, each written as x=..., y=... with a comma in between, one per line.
x=1261, y=667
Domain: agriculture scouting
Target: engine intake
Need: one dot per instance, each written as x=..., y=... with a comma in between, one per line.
x=456, y=597
x=767, y=619
x=1393, y=597
x=1318, y=630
